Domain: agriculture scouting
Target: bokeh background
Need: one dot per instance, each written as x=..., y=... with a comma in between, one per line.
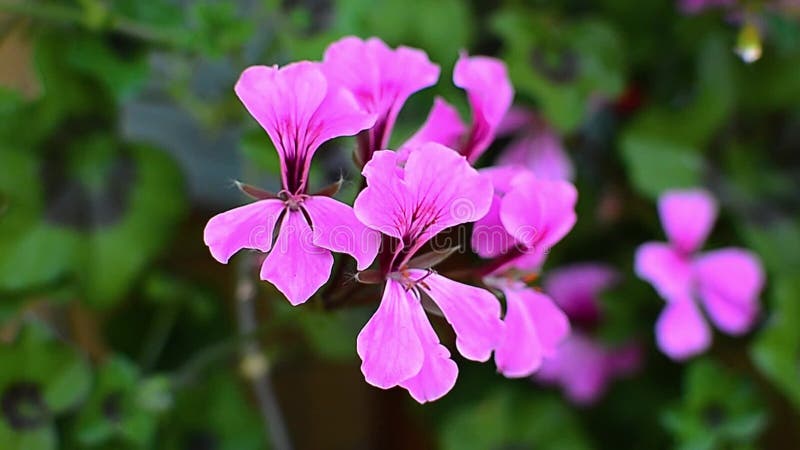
x=120, y=136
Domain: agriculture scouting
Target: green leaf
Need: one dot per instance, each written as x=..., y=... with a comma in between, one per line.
x=777, y=350
x=512, y=418
x=719, y=409
x=655, y=165
x=560, y=63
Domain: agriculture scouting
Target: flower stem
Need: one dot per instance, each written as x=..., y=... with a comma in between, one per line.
x=254, y=363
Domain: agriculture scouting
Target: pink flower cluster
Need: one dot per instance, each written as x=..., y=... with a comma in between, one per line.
x=520, y=207
x=411, y=195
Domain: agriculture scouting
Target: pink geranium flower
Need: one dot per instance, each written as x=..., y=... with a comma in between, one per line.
x=490, y=95
x=727, y=282
x=410, y=201
x=381, y=80
x=584, y=366
x=299, y=110
x=528, y=215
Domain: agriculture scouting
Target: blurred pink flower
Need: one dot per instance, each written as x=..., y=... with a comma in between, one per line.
x=299, y=110
x=410, y=201
x=584, y=366
x=534, y=146
x=490, y=95
x=381, y=80
x=727, y=281
x=698, y=6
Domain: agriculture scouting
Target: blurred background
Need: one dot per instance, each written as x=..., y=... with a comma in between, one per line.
x=120, y=136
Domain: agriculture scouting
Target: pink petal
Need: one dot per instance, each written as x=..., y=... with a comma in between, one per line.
x=729, y=282
x=542, y=153
x=490, y=95
x=489, y=237
x=416, y=202
x=337, y=229
x=438, y=373
x=539, y=213
x=389, y=345
x=249, y=226
x=576, y=288
x=443, y=126
x=681, y=331
x=516, y=119
x=384, y=203
x=580, y=367
x=687, y=217
x=296, y=266
x=534, y=329
x=299, y=111
x=473, y=312
x=667, y=270
x=381, y=79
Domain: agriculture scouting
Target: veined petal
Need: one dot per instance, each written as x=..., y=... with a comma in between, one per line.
x=443, y=126
x=389, y=345
x=490, y=95
x=539, y=213
x=729, y=283
x=687, y=217
x=415, y=202
x=336, y=228
x=386, y=201
x=248, y=226
x=474, y=313
x=381, y=79
x=681, y=331
x=667, y=270
x=438, y=373
x=444, y=201
x=296, y=266
x=299, y=111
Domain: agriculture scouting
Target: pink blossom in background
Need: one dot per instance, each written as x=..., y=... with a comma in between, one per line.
x=584, y=366
x=534, y=146
x=726, y=282
x=409, y=201
x=541, y=152
x=698, y=6
x=381, y=80
x=299, y=110
x=576, y=289
x=490, y=94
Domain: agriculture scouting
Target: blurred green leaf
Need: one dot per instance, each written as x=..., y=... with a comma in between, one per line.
x=777, y=349
x=561, y=64
x=215, y=414
x=655, y=165
x=719, y=410
x=513, y=418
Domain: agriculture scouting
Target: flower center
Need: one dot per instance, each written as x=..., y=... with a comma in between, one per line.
x=404, y=277
x=292, y=201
